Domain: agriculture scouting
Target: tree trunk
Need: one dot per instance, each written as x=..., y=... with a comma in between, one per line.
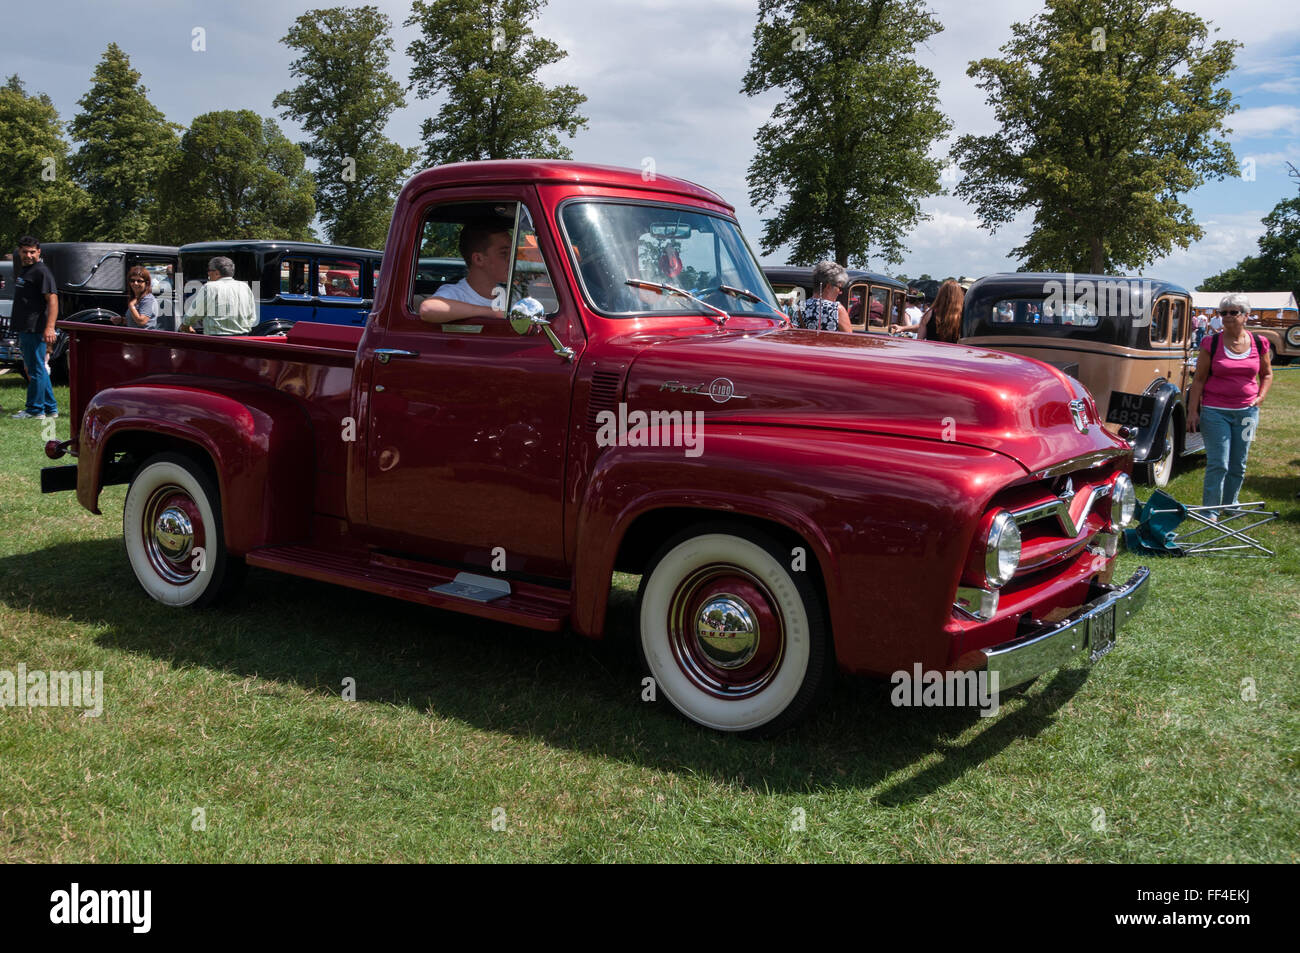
x=1098, y=254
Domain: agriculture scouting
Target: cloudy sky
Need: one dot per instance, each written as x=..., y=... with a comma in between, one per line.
x=662, y=80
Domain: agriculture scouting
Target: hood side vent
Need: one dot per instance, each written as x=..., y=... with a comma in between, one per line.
x=605, y=388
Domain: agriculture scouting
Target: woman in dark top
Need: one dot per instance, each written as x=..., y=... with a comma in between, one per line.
x=823, y=311
x=942, y=322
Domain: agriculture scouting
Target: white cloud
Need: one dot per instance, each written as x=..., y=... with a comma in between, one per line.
x=1264, y=122
x=1228, y=239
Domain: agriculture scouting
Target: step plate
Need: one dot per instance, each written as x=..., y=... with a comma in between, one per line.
x=476, y=588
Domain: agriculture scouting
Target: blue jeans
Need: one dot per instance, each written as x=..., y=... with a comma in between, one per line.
x=40, y=393
x=1228, y=434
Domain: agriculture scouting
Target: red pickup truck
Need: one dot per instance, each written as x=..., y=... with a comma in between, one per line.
x=794, y=501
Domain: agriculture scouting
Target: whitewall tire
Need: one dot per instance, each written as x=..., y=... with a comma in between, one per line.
x=733, y=635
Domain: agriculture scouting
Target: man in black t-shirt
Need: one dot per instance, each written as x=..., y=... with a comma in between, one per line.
x=36, y=308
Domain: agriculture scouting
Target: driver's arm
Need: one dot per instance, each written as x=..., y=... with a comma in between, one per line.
x=437, y=310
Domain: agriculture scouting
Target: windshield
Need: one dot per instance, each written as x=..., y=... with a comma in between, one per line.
x=699, y=253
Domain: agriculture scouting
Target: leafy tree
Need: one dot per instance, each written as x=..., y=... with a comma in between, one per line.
x=37, y=193
x=1109, y=112
x=844, y=157
x=1277, y=266
x=126, y=143
x=237, y=176
x=343, y=101
x=484, y=58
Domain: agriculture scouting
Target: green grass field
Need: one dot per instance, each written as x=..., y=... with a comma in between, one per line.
x=478, y=742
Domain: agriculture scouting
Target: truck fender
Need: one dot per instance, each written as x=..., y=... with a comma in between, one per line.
x=887, y=522
x=258, y=441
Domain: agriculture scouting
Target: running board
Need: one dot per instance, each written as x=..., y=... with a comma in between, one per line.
x=1193, y=443
x=441, y=587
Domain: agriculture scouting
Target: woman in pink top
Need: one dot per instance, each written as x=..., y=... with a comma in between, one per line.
x=1233, y=374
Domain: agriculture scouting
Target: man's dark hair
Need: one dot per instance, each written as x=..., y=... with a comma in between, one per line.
x=476, y=236
x=28, y=241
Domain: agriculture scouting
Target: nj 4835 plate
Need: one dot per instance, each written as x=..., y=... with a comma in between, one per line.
x=1131, y=410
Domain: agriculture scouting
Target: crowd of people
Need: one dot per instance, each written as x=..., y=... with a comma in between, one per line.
x=940, y=320
x=221, y=306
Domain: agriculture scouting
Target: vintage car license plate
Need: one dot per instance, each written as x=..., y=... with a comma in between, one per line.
x=1131, y=410
x=1101, y=634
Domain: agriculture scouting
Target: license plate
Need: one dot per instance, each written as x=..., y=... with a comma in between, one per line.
x=1131, y=410
x=1101, y=633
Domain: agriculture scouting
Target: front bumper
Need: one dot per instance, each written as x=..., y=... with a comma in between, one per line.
x=1094, y=626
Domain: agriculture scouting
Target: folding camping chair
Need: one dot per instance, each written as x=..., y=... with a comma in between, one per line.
x=1157, y=531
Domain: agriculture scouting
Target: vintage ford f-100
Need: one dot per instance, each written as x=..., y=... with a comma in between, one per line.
x=794, y=501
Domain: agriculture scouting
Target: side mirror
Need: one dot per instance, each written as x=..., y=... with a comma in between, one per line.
x=525, y=314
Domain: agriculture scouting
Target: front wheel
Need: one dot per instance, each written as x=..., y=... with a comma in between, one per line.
x=734, y=637
x=1159, y=472
x=172, y=527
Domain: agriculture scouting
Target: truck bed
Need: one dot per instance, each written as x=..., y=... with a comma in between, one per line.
x=312, y=365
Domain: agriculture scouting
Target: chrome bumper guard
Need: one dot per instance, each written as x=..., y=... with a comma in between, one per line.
x=1094, y=626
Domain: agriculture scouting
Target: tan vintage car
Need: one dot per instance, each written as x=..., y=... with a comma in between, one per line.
x=1273, y=315
x=1128, y=340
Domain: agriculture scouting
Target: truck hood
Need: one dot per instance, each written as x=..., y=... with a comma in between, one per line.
x=871, y=383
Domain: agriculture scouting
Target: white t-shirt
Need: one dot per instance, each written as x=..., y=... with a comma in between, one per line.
x=914, y=315
x=461, y=291
x=1216, y=323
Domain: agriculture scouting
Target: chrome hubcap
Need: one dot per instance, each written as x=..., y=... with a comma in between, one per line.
x=726, y=631
x=173, y=533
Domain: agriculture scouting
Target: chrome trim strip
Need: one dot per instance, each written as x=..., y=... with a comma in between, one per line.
x=1084, y=461
x=1018, y=661
x=975, y=603
x=1061, y=510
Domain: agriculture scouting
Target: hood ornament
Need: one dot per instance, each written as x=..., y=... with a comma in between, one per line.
x=1079, y=414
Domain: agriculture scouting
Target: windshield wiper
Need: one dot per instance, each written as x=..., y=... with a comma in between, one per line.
x=739, y=293
x=717, y=314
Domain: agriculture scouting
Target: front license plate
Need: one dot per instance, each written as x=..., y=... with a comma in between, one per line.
x=1101, y=634
x=1131, y=410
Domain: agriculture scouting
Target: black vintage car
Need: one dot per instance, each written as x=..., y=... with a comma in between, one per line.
x=294, y=281
x=873, y=301
x=1128, y=339
x=91, y=277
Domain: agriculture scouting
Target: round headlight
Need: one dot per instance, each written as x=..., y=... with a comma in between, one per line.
x=1002, y=550
x=1123, y=501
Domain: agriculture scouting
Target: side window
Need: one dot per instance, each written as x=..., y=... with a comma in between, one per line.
x=1160, y=322
x=483, y=233
x=854, y=300
x=1177, y=324
x=338, y=278
x=294, y=275
x=878, y=315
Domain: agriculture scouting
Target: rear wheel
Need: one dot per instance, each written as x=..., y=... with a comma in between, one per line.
x=171, y=524
x=734, y=638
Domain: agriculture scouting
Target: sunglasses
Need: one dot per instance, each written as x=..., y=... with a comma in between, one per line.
x=1226, y=313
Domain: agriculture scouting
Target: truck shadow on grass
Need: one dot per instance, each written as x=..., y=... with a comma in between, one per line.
x=562, y=689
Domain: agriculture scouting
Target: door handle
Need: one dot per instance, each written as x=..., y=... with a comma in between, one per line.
x=385, y=354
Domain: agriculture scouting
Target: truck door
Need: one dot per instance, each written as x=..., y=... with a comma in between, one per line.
x=468, y=420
